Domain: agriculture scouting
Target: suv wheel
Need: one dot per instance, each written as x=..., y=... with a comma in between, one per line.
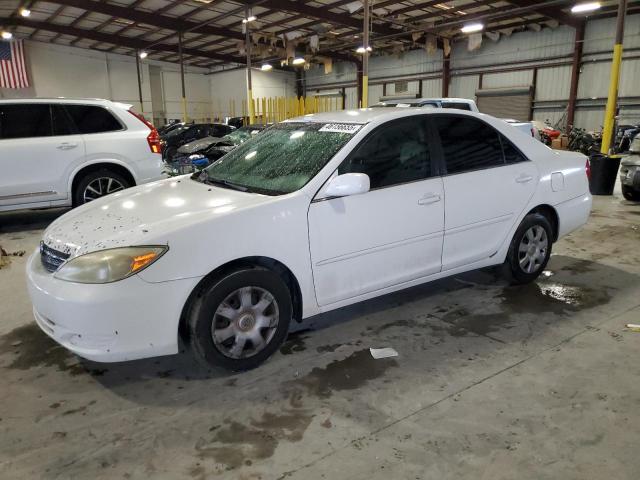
x=238, y=321
x=530, y=249
x=98, y=184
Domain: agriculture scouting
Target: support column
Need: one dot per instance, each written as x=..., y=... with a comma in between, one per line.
x=247, y=39
x=609, y=114
x=365, y=56
x=575, y=75
x=184, y=95
x=446, y=74
x=139, y=81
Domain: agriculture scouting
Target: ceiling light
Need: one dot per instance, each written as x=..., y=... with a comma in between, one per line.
x=7, y=35
x=362, y=49
x=585, y=7
x=298, y=61
x=143, y=54
x=25, y=12
x=250, y=18
x=472, y=27
x=266, y=67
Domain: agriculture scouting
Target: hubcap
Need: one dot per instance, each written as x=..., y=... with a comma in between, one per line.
x=100, y=187
x=533, y=249
x=245, y=322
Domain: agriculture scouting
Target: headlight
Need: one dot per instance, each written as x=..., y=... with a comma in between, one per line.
x=110, y=265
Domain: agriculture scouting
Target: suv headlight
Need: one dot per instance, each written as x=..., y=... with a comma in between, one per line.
x=110, y=265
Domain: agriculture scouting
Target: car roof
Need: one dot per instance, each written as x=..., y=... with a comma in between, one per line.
x=80, y=101
x=367, y=115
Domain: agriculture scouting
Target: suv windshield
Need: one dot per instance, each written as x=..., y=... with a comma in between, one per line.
x=280, y=160
x=177, y=131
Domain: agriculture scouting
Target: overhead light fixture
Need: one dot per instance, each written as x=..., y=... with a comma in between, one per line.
x=362, y=49
x=585, y=7
x=250, y=18
x=143, y=54
x=266, y=67
x=472, y=27
x=7, y=35
x=25, y=12
x=298, y=61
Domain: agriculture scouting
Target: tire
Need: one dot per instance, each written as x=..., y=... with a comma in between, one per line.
x=92, y=184
x=223, y=307
x=525, y=266
x=169, y=153
x=630, y=194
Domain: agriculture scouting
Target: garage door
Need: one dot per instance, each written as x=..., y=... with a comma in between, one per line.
x=506, y=102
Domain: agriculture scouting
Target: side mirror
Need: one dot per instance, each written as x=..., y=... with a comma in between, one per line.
x=347, y=184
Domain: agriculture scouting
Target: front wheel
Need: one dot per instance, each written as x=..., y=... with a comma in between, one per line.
x=530, y=249
x=240, y=320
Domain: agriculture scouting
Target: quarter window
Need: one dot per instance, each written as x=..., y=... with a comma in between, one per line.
x=511, y=153
x=468, y=143
x=25, y=120
x=396, y=152
x=92, y=119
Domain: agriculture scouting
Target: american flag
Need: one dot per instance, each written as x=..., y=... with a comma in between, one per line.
x=13, y=71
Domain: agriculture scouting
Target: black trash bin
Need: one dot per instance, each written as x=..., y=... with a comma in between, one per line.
x=604, y=170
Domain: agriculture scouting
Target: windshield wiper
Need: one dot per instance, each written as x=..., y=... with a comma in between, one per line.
x=225, y=184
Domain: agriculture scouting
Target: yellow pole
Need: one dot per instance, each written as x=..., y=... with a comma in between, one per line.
x=264, y=110
x=184, y=109
x=365, y=91
x=610, y=111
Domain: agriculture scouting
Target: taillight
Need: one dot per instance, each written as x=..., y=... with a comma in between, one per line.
x=153, y=139
x=587, y=169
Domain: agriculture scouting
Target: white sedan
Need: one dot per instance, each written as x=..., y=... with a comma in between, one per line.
x=316, y=213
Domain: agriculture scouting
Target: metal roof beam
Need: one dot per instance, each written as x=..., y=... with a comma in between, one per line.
x=553, y=12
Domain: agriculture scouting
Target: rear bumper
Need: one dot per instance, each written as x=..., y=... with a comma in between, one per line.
x=573, y=214
x=112, y=322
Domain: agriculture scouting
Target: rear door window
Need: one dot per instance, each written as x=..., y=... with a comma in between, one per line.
x=62, y=123
x=93, y=119
x=25, y=120
x=468, y=143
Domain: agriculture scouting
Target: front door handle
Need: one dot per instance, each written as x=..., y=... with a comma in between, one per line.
x=429, y=198
x=524, y=178
x=66, y=146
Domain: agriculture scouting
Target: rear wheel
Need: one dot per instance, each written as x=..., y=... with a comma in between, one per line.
x=238, y=321
x=630, y=194
x=530, y=249
x=97, y=184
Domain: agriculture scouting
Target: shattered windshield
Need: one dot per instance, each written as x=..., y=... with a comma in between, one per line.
x=282, y=159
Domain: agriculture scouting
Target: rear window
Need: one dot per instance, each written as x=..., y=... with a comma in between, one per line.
x=93, y=119
x=25, y=120
x=458, y=105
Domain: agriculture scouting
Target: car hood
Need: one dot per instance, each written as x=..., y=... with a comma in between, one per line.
x=197, y=145
x=144, y=215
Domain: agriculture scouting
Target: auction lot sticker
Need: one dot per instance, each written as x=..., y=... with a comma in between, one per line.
x=341, y=127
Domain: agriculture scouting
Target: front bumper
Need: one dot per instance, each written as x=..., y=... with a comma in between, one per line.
x=112, y=322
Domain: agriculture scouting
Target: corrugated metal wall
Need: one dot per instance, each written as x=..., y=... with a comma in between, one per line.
x=510, y=62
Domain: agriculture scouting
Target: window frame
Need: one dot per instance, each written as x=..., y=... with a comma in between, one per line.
x=439, y=152
x=65, y=106
x=429, y=135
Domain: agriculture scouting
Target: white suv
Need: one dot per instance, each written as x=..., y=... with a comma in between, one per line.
x=63, y=152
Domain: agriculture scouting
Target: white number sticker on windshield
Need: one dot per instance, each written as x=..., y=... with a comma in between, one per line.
x=340, y=128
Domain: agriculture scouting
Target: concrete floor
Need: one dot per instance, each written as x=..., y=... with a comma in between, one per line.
x=491, y=382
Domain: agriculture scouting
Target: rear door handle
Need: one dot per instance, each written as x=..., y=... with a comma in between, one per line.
x=524, y=178
x=66, y=146
x=429, y=198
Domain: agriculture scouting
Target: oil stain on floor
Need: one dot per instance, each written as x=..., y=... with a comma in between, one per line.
x=29, y=347
x=236, y=444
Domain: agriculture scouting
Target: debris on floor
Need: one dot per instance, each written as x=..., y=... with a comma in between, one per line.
x=383, y=352
x=5, y=257
x=634, y=327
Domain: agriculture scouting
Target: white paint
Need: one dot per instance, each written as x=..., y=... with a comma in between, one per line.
x=39, y=172
x=339, y=252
